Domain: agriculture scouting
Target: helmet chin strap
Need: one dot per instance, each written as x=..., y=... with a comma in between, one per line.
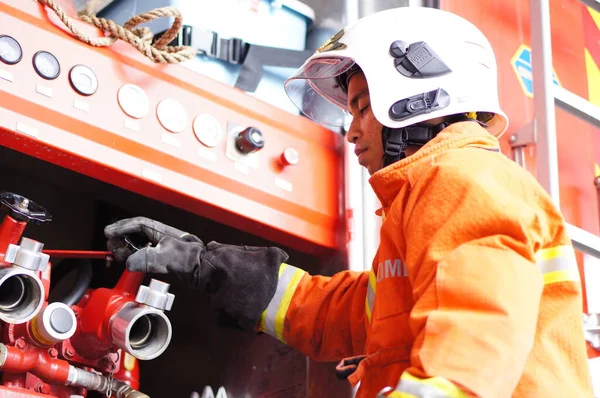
x=395, y=141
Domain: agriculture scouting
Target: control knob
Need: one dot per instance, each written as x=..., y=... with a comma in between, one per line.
x=250, y=140
x=289, y=157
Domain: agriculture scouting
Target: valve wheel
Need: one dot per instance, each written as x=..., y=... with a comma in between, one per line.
x=22, y=209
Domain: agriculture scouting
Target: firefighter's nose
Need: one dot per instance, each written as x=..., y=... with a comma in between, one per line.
x=352, y=134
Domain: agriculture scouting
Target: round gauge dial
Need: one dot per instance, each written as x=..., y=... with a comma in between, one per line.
x=46, y=65
x=208, y=130
x=172, y=115
x=133, y=101
x=83, y=80
x=10, y=50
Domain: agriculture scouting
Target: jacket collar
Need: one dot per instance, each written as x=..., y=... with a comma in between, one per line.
x=388, y=181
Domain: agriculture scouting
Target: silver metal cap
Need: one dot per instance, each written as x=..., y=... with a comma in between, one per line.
x=27, y=255
x=156, y=295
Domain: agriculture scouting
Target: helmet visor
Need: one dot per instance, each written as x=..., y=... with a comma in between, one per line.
x=315, y=89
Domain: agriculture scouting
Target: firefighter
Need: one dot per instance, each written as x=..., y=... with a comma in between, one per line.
x=474, y=290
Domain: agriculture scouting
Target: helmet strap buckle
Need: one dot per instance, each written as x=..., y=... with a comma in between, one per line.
x=396, y=141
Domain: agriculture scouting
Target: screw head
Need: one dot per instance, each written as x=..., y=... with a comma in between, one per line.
x=53, y=352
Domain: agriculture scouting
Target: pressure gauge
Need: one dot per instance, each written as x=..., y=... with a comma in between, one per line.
x=133, y=101
x=46, y=65
x=10, y=50
x=172, y=115
x=83, y=80
x=208, y=130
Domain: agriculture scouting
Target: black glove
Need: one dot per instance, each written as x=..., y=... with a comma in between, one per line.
x=121, y=233
x=241, y=280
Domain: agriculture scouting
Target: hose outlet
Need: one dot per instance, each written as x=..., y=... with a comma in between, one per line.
x=142, y=331
x=21, y=295
x=21, y=290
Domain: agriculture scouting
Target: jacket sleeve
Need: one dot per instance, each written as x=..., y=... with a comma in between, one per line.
x=477, y=283
x=322, y=317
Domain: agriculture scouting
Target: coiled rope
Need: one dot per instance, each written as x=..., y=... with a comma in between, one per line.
x=140, y=38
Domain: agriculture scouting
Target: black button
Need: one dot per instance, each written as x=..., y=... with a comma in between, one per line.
x=250, y=140
x=10, y=50
x=46, y=65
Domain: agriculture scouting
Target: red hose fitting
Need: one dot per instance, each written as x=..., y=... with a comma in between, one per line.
x=129, y=371
x=119, y=318
x=11, y=231
x=93, y=336
x=37, y=361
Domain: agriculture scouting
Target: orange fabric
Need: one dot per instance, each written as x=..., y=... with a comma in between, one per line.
x=458, y=292
x=325, y=319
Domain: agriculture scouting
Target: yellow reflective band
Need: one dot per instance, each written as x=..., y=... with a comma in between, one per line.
x=400, y=394
x=263, y=316
x=281, y=269
x=285, y=303
x=371, y=288
x=432, y=387
x=553, y=252
x=373, y=280
x=558, y=264
x=272, y=319
x=561, y=276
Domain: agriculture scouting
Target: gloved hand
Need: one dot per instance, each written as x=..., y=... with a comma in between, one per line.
x=240, y=280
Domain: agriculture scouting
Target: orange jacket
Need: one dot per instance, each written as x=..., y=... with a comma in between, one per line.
x=474, y=284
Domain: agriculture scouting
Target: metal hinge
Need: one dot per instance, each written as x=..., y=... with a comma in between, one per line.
x=520, y=139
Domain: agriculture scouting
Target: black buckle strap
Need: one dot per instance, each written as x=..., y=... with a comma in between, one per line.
x=209, y=43
x=252, y=57
x=394, y=149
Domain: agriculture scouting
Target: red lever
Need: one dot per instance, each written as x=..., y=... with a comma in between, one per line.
x=78, y=253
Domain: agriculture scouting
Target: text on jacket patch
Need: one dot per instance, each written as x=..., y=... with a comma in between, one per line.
x=391, y=269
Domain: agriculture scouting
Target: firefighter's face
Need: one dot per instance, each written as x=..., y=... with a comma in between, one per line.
x=365, y=130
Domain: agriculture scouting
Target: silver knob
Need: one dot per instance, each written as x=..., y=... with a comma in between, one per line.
x=27, y=255
x=156, y=295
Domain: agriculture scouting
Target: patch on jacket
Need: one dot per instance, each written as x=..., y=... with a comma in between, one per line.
x=391, y=268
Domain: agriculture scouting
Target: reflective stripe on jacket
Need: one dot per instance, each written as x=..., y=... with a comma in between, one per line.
x=474, y=284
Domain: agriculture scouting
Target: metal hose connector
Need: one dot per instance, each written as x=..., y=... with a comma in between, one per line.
x=21, y=295
x=140, y=330
x=98, y=382
x=21, y=290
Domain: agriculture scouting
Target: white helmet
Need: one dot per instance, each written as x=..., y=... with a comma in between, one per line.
x=420, y=63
